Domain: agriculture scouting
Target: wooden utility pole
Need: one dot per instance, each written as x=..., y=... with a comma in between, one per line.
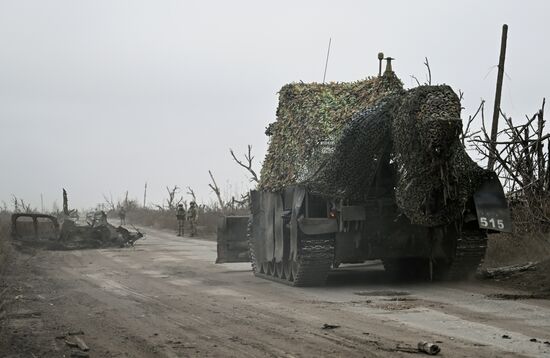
x=145, y=195
x=496, y=109
x=65, y=203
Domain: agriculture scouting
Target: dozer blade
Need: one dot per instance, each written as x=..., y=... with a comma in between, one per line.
x=491, y=206
x=232, y=239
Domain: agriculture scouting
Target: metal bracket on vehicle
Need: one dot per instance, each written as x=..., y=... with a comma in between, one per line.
x=353, y=213
x=317, y=226
x=491, y=206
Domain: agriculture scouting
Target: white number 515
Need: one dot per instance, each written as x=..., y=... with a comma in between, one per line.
x=491, y=222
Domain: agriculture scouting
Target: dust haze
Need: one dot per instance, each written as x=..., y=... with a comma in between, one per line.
x=180, y=181
x=163, y=90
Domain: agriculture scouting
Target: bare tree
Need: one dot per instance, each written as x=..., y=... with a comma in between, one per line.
x=466, y=134
x=15, y=203
x=522, y=161
x=109, y=201
x=216, y=189
x=192, y=193
x=172, y=202
x=241, y=203
x=25, y=207
x=249, y=158
x=428, y=75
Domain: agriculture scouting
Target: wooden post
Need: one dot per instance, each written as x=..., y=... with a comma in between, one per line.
x=145, y=195
x=496, y=109
x=65, y=203
x=380, y=58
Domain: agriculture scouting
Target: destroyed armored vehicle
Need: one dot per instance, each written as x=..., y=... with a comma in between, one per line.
x=41, y=230
x=367, y=170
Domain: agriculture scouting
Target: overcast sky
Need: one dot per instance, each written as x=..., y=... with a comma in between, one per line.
x=100, y=97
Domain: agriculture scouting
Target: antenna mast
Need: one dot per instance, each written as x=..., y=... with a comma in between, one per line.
x=326, y=62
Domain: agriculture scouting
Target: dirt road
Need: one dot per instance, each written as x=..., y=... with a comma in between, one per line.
x=166, y=298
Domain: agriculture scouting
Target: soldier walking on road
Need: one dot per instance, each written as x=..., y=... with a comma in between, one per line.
x=122, y=215
x=192, y=217
x=180, y=215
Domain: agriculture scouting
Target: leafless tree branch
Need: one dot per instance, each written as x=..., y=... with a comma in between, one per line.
x=192, y=193
x=171, y=201
x=216, y=189
x=429, y=77
x=248, y=166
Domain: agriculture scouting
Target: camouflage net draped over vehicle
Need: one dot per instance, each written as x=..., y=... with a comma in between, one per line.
x=435, y=176
x=335, y=138
x=310, y=119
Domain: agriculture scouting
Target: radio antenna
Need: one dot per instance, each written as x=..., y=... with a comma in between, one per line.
x=326, y=62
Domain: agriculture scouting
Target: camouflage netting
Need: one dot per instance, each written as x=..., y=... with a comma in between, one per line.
x=310, y=119
x=337, y=138
x=435, y=176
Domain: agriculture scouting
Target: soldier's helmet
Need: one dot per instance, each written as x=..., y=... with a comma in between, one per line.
x=192, y=203
x=180, y=205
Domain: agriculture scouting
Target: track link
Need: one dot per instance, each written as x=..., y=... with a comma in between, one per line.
x=470, y=252
x=315, y=257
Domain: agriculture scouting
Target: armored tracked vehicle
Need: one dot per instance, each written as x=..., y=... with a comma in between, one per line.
x=368, y=170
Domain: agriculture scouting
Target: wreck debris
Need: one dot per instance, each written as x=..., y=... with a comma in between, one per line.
x=506, y=271
x=429, y=348
x=44, y=230
x=81, y=344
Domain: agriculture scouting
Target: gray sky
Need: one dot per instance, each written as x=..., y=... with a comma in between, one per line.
x=101, y=96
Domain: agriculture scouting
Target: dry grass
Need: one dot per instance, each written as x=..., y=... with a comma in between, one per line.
x=530, y=240
x=5, y=246
x=207, y=222
x=5, y=253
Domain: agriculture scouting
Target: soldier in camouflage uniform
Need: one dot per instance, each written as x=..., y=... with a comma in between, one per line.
x=192, y=217
x=180, y=215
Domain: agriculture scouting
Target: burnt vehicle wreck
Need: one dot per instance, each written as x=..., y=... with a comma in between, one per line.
x=41, y=230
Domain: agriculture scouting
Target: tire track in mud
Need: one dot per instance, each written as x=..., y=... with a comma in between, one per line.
x=222, y=310
x=267, y=324
x=181, y=319
x=332, y=342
